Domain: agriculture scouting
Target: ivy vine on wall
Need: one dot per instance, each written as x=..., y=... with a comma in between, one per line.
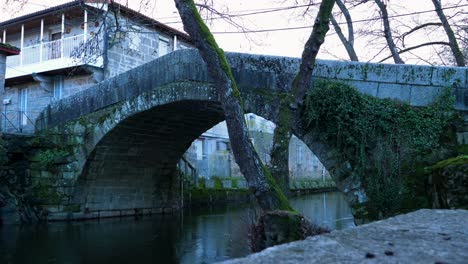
x=380, y=138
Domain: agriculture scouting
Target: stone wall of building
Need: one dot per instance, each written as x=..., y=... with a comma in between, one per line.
x=37, y=98
x=136, y=44
x=2, y=72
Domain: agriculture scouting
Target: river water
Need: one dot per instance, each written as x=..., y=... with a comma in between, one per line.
x=196, y=236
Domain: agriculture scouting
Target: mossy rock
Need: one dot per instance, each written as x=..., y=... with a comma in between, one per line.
x=448, y=183
x=279, y=227
x=460, y=160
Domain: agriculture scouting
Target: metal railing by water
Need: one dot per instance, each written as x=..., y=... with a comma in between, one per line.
x=188, y=169
x=18, y=121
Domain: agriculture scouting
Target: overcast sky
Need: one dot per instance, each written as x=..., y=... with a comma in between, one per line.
x=290, y=42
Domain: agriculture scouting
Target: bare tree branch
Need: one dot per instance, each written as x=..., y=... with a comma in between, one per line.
x=347, y=44
x=417, y=28
x=388, y=32
x=416, y=47
x=457, y=54
x=349, y=21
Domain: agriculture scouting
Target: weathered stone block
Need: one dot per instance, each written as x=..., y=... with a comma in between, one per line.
x=127, y=212
x=105, y=214
x=461, y=99
x=462, y=137
x=59, y=216
x=424, y=95
x=397, y=92
x=450, y=76
x=424, y=236
x=386, y=73
x=327, y=69
x=68, y=175
x=414, y=74
x=352, y=71
x=365, y=87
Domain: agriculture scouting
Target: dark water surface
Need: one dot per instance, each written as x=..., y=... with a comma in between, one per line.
x=196, y=236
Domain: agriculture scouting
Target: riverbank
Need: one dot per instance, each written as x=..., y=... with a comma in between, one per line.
x=232, y=192
x=212, y=192
x=424, y=236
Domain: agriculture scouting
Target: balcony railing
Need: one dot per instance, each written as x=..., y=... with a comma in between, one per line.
x=71, y=47
x=18, y=121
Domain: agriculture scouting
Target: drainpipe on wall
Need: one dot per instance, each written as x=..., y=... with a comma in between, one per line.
x=105, y=58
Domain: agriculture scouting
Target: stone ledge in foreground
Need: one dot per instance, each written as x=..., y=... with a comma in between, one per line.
x=424, y=236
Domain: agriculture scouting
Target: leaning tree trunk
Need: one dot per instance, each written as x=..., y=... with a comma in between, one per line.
x=259, y=179
x=279, y=223
x=321, y=26
x=388, y=32
x=290, y=103
x=457, y=54
x=279, y=154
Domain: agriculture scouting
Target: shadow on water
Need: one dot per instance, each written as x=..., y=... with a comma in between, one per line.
x=196, y=236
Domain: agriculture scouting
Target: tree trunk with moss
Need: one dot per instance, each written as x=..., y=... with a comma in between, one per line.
x=290, y=103
x=265, y=189
x=263, y=186
x=259, y=179
x=279, y=155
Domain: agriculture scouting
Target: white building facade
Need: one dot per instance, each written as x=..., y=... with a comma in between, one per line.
x=67, y=48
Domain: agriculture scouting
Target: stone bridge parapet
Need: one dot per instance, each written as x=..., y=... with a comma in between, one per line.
x=414, y=84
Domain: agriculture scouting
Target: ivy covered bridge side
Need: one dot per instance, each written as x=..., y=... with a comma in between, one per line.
x=120, y=140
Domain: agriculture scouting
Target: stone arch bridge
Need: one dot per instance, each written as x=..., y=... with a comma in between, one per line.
x=124, y=136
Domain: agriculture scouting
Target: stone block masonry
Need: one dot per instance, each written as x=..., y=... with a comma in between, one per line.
x=135, y=127
x=425, y=236
x=257, y=74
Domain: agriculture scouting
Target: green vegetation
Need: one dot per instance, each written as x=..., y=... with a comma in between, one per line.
x=463, y=159
x=206, y=34
x=379, y=140
x=274, y=187
x=49, y=158
x=43, y=191
x=310, y=184
x=72, y=208
x=8, y=46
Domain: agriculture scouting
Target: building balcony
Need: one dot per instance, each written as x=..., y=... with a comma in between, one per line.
x=53, y=55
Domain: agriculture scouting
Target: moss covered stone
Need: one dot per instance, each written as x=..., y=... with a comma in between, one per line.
x=447, y=182
x=381, y=140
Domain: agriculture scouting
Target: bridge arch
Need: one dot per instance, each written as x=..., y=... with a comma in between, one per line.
x=131, y=149
x=180, y=80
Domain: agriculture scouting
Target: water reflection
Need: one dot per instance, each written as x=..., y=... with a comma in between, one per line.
x=197, y=236
x=327, y=209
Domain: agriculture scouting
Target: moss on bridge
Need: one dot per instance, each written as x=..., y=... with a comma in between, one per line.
x=382, y=141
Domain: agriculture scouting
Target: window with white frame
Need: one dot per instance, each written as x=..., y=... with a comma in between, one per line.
x=58, y=87
x=164, y=46
x=299, y=154
x=134, y=40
